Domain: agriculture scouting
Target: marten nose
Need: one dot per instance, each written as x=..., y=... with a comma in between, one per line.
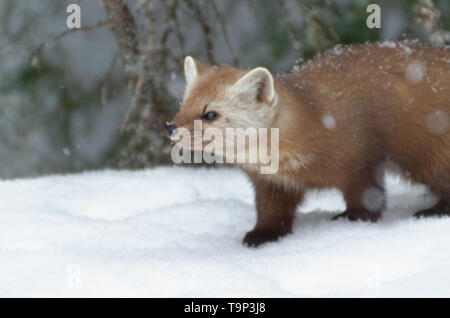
x=169, y=129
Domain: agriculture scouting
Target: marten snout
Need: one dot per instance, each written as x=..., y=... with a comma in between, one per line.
x=170, y=129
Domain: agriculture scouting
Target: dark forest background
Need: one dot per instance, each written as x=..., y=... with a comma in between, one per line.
x=98, y=97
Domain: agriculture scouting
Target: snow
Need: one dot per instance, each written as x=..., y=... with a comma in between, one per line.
x=177, y=232
x=406, y=49
x=388, y=44
x=338, y=49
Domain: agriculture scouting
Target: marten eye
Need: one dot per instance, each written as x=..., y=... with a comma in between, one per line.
x=210, y=116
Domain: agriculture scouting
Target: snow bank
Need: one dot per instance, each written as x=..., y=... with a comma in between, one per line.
x=177, y=232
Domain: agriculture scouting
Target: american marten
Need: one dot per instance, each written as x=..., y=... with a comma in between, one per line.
x=343, y=117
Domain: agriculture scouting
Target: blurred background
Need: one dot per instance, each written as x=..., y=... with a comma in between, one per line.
x=97, y=97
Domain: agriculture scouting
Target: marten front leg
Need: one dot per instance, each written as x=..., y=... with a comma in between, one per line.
x=275, y=207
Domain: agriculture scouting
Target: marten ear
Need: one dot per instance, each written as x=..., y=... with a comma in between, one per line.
x=192, y=69
x=258, y=83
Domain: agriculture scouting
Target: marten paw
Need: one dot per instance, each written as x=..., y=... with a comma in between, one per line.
x=433, y=212
x=442, y=208
x=340, y=216
x=257, y=237
x=358, y=215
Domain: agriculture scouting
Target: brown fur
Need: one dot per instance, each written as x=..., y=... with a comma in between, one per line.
x=380, y=115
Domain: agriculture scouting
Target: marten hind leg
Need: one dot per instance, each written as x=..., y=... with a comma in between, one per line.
x=442, y=208
x=365, y=200
x=439, y=184
x=275, y=207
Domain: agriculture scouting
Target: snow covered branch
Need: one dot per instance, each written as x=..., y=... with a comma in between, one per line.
x=144, y=64
x=52, y=38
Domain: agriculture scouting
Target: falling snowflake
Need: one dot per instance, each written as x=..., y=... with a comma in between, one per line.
x=415, y=71
x=328, y=121
x=373, y=199
x=437, y=123
x=66, y=151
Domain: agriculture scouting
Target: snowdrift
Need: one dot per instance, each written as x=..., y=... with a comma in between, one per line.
x=176, y=232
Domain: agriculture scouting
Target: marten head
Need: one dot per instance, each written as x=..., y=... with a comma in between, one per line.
x=224, y=97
